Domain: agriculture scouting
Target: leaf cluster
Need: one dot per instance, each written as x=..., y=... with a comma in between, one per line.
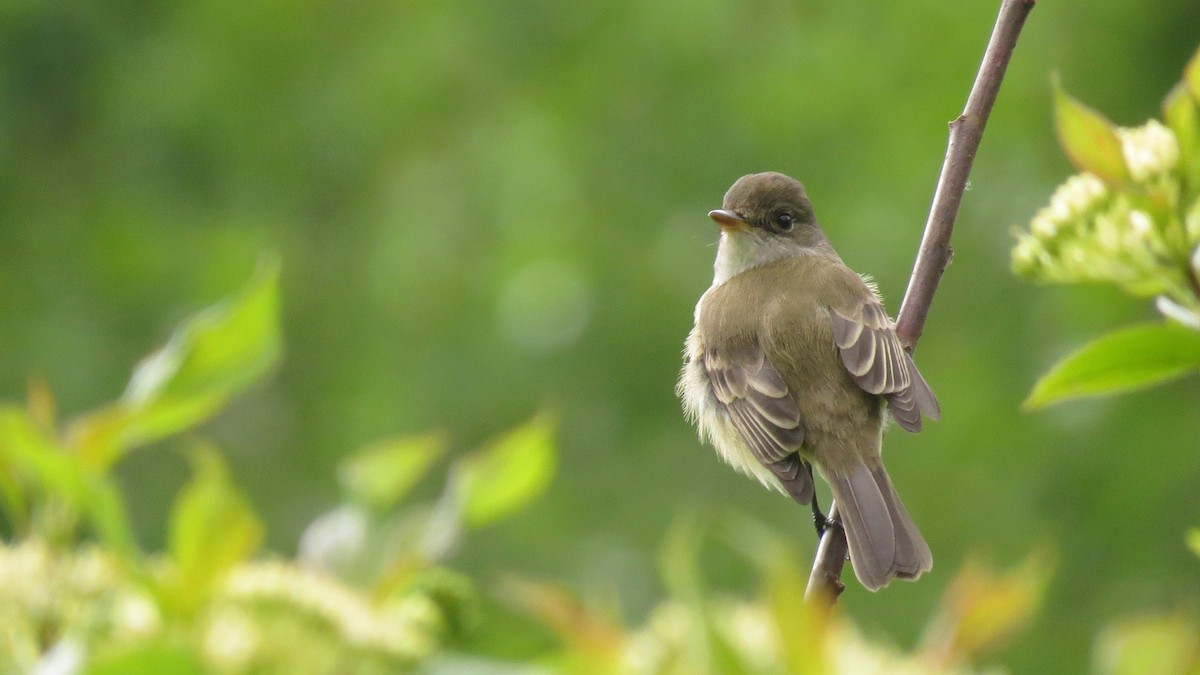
x=368, y=593
x=1132, y=218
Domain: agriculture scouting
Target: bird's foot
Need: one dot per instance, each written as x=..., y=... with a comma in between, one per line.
x=820, y=522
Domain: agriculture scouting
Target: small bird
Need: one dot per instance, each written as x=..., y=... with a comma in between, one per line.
x=793, y=360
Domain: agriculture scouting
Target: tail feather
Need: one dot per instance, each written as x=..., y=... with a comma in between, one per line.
x=913, y=556
x=884, y=542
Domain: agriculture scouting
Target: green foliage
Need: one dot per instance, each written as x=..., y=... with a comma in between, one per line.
x=1088, y=138
x=981, y=609
x=696, y=630
x=212, y=529
x=159, y=657
x=370, y=592
x=1181, y=113
x=215, y=353
x=1139, y=229
x=51, y=489
x=507, y=474
x=1163, y=645
x=209, y=604
x=210, y=357
x=1128, y=359
x=1133, y=219
x=380, y=474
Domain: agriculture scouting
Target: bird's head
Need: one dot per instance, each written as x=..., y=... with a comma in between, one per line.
x=764, y=217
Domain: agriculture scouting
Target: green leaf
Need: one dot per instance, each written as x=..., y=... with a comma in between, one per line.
x=1193, y=540
x=1164, y=645
x=1127, y=359
x=12, y=496
x=679, y=560
x=983, y=608
x=104, y=436
x=808, y=624
x=158, y=657
x=1191, y=76
x=1181, y=115
x=210, y=357
x=1088, y=138
x=107, y=511
x=212, y=526
x=217, y=351
x=508, y=473
x=380, y=474
x=63, y=475
x=594, y=643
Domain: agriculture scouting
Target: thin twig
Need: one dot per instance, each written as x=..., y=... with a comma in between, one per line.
x=934, y=254
x=1192, y=276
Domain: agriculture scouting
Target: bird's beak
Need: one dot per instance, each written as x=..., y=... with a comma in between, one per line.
x=728, y=220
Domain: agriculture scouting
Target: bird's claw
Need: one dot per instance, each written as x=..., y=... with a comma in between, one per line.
x=820, y=522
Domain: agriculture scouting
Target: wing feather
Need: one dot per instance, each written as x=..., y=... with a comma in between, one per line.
x=877, y=362
x=757, y=402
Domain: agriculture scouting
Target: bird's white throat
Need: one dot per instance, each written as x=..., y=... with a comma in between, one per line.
x=746, y=249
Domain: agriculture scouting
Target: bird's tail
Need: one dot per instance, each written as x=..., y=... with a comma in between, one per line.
x=884, y=541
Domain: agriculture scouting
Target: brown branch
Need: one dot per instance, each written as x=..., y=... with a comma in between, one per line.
x=934, y=254
x=1192, y=276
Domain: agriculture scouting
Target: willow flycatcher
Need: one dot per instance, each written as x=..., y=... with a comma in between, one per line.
x=793, y=360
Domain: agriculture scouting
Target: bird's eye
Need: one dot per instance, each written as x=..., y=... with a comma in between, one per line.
x=785, y=221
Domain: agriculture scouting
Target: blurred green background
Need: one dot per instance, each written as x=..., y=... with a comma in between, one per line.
x=486, y=208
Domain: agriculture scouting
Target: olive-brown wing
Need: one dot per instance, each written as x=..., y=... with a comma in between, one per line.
x=873, y=355
x=757, y=402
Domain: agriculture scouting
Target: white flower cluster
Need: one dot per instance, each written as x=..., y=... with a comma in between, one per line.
x=78, y=597
x=1136, y=235
x=59, y=608
x=677, y=638
x=667, y=631
x=1073, y=201
x=404, y=629
x=1150, y=150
